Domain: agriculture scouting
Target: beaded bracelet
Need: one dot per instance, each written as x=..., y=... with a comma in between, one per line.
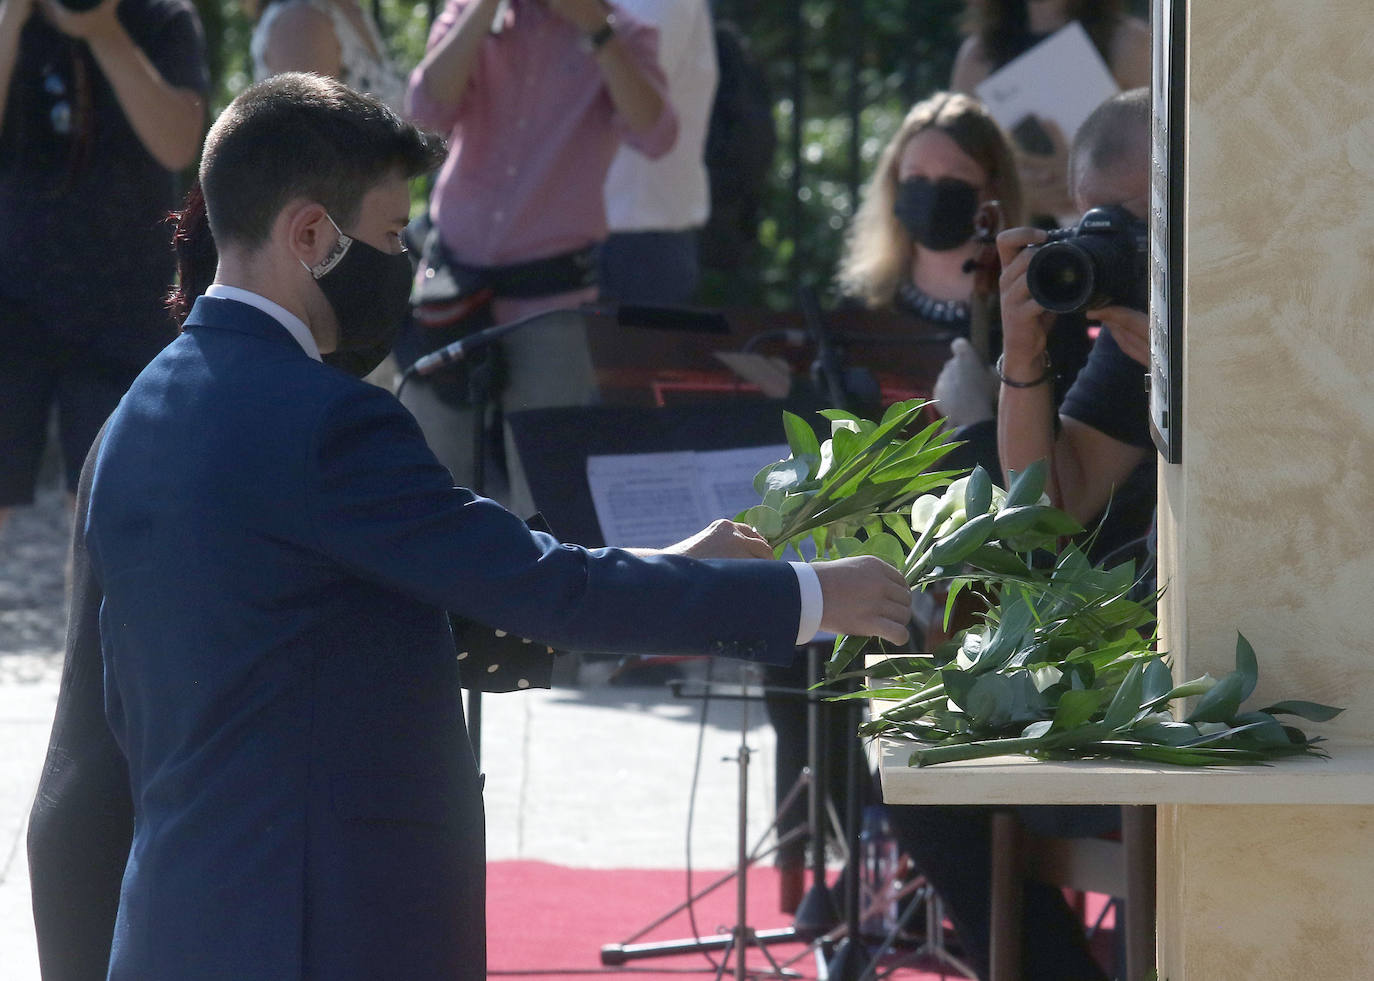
x=1049, y=373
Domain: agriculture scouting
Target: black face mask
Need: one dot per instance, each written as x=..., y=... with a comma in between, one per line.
x=937, y=214
x=369, y=292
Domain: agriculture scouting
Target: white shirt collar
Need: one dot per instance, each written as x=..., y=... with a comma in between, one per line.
x=294, y=325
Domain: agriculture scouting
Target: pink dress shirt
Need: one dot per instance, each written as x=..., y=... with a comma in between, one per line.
x=533, y=136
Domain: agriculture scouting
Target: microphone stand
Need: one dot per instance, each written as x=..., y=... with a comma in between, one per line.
x=815, y=916
x=826, y=359
x=482, y=384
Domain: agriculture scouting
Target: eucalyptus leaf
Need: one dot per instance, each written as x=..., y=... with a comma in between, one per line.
x=1027, y=486
x=1156, y=681
x=1247, y=666
x=957, y=546
x=787, y=475
x=885, y=547
x=765, y=520
x=1221, y=702
x=1126, y=703
x=958, y=685
x=1313, y=711
x=801, y=438
x=998, y=560
x=1077, y=707
x=956, y=587
x=1168, y=733
x=991, y=701
x=845, y=443
x=978, y=493
x=1198, y=686
x=900, y=527
x=846, y=650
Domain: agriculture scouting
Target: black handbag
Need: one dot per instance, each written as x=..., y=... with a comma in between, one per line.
x=445, y=294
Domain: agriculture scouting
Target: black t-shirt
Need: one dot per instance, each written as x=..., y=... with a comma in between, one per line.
x=83, y=206
x=1109, y=395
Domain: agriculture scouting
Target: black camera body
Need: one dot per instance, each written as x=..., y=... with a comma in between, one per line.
x=1103, y=261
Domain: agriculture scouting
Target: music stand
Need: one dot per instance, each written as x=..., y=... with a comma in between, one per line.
x=554, y=445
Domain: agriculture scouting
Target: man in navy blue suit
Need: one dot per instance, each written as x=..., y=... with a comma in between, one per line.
x=277, y=548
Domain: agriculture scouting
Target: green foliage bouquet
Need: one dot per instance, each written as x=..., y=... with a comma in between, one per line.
x=1061, y=662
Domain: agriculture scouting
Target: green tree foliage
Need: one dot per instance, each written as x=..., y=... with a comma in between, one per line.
x=864, y=62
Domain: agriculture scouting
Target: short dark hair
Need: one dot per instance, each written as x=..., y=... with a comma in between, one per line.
x=1113, y=132
x=299, y=135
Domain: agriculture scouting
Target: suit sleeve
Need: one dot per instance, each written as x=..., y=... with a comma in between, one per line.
x=384, y=508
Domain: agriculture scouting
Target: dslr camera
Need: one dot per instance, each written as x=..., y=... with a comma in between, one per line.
x=1103, y=261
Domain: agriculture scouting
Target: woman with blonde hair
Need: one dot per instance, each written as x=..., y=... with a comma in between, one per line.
x=945, y=184
x=912, y=243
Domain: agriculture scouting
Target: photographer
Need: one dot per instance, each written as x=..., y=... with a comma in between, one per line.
x=1099, y=448
x=100, y=105
x=1103, y=432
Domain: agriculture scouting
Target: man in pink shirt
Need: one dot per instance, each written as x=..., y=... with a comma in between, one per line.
x=536, y=96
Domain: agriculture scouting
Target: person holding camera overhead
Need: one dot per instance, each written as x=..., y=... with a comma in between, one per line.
x=101, y=103
x=1100, y=443
x=1001, y=30
x=1100, y=449
x=536, y=97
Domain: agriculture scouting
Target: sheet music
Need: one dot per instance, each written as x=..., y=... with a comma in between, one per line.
x=1062, y=78
x=655, y=499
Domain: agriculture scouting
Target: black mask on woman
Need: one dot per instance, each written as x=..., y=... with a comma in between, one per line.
x=369, y=292
x=937, y=214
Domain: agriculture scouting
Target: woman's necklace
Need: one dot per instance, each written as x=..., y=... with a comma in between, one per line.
x=946, y=313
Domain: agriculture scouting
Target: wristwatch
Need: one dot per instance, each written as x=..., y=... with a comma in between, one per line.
x=597, y=39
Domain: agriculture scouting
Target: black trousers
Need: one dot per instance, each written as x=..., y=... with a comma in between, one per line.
x=81, y=824
x=952, y=846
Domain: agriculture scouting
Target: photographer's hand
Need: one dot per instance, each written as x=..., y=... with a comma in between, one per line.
x=1025, y=323
x=167, y=120
x=1025, y=412
x=1130, y=329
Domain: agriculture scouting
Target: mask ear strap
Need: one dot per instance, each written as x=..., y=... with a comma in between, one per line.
x=335, y=256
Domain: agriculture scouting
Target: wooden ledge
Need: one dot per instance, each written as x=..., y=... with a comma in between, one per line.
x=1346, y=778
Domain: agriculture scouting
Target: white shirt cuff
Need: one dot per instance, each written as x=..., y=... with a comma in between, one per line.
x=812, y=602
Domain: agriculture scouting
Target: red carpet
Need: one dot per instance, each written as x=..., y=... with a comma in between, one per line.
x=551, y=921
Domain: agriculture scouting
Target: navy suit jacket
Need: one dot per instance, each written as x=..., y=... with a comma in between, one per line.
x=277, y=546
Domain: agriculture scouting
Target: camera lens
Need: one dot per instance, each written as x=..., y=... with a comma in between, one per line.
x=1061, y=277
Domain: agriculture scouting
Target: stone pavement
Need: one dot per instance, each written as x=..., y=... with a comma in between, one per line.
x=589, y=774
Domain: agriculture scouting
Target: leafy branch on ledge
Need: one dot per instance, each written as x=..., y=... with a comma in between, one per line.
x=1060, y=665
